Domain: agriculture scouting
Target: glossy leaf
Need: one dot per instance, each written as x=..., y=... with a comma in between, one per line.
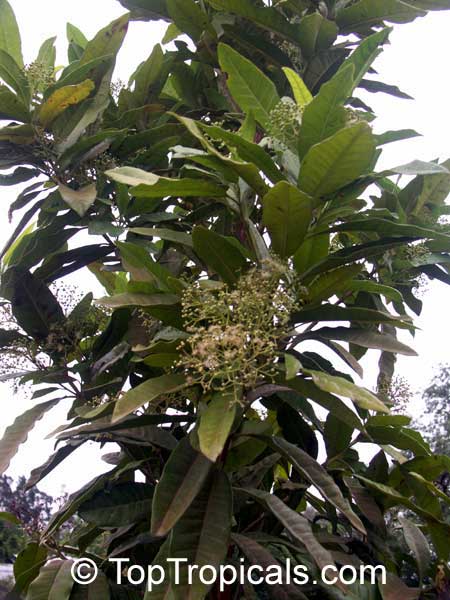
x=215, y=425
x=337, y=161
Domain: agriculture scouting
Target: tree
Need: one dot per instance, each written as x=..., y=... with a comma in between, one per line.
x=24, y=513
x=225, y=193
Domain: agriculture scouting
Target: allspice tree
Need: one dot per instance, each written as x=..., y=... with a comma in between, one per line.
x=247, y=268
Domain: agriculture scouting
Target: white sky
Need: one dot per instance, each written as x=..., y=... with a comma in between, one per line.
x=416, y=62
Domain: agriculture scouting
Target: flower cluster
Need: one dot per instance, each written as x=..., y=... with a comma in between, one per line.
x=285, y=122
x=235, y=331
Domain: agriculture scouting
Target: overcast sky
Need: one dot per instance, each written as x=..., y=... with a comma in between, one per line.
x=417, y=61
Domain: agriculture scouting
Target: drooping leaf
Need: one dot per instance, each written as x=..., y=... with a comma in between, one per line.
x=54, y=582
x=364, y=14
x=215, y=425
x=297, y=525
x=318, y=477
x=182, y=479
x=17, y=433
x=287, y=213
x=79, y=200
x=202, y=534
x=418, y=544
x=33, y=304
x=118, y=506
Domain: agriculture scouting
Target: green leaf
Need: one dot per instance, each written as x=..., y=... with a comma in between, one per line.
x=316, y=33
x=11, y=107
x=189, y=17
x=332, y=283
x=13, y=75
x=33, y=304
x=54, y=582
x=170, y=235
x=9, y=33
x=182, y=479
x=395, y=136
x=372, y=287
x=248, y=151
x=47, y=54
x=343, y=387
x=147, y=76
x=261, y=557
x=287, y=213
x=136, y=299
x=107, y=41
x=366, y=338
x=148, y=185
x=60, y=100
x=313, y=250
x=301, y=93
x=202, y=535
x=27, y=566
x=337, y=161
x=20, y=175
x=418, y=167
x=252, y=90
x=118, y=506
x=9, y=518
x=365, y=54
x=333, y=404
x=74, y=35
x=215, y=425
x=79, y=200
x=17, y=433
x=219, y=253
x=146, y=392
x=366, y=13
x=325, y=114
x=317, y=476
x=297, y=525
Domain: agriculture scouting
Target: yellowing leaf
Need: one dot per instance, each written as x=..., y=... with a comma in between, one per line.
x=60, y=100
x=301, y=93
x=342, y=387
x=215, y=425
x=79, y=200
